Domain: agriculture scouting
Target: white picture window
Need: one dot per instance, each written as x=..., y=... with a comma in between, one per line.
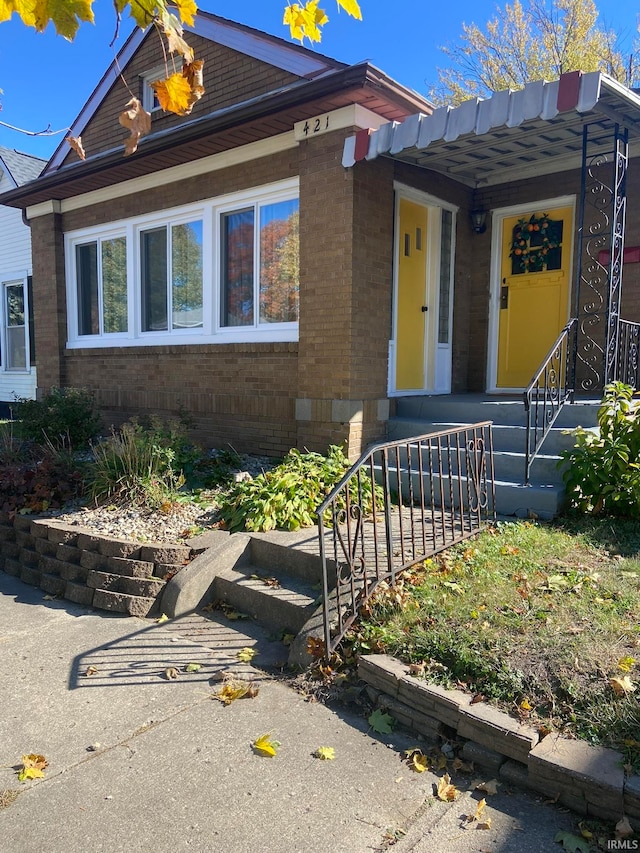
x=225, y=269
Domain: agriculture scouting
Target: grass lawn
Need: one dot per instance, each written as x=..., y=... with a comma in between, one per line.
x=541, y=619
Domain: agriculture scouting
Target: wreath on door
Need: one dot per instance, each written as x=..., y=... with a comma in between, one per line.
x=532, y=240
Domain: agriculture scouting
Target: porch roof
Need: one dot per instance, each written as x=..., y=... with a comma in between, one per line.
x=513, y=134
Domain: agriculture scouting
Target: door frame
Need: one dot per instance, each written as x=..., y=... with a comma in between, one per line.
x=497, y=218
x=441, y=353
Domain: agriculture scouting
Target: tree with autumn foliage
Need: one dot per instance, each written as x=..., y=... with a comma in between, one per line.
x=182, y=85
x=531, y=40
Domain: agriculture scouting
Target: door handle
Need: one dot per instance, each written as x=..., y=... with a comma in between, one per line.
x=504, y=297
x=425, y=308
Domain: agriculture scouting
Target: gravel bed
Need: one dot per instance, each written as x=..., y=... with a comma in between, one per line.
x=179, y=522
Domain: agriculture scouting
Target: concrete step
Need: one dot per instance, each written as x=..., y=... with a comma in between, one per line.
x=473, y=408
x=537, y=500
x=505, y=437
x=249, y=589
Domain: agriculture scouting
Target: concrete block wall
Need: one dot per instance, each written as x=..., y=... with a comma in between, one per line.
x=71, y=562
x=589, y=780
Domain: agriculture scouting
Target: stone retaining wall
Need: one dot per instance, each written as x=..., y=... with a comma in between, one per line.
x=96, y=571
x=588, y=779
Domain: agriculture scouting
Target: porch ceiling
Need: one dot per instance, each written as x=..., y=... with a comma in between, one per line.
x=511, y=135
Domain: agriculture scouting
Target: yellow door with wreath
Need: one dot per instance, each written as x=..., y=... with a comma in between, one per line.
x=534, y=291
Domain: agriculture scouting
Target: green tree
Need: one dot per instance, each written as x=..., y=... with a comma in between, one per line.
x=530, y=40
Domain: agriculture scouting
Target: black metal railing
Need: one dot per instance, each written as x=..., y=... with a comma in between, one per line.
x=400, y=503
x=552, y=386
x=627, y=355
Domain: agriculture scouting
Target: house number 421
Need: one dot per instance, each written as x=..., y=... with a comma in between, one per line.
x=316, y=125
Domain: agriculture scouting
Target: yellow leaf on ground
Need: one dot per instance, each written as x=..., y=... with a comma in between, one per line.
x=32, y=767
x=164, y=617
x=525, y=705
x=622, y=686
x=247, y=654
x=236, y=688
x=485, y=824
x=91, y=670
x=445, y=790
x=419, y=762
x=626, y=664
x=325, y=753
x=138, y=122
x=171, y=673
x=265, y=746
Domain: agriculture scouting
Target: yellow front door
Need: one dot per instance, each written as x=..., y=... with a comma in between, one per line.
x=412, y=286
x=534, y=291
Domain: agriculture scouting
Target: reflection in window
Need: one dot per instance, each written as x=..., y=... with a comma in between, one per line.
x=186, y=275
x=153, y=274
x=101, y=274
x=87, y=284
x=15, y=326
x=237, y=268
x=114, y=285
x=279, y=262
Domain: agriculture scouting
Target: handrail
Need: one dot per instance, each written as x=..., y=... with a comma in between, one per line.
x=627, y=362
x=401, y=502
x=551, y=387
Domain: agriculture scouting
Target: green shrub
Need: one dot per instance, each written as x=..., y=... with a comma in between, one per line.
x=288, y=496
x=603, y=476
x=65, y=416
x=142, y=464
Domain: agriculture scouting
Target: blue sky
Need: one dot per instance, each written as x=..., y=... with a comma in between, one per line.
x=46, y=80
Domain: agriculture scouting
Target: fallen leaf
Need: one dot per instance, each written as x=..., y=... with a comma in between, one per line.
x=624, y=828
x=626, y=664
x=490, y=787
x=75, y=143
x=445, y=790
x=163, y=618
x=622, y=686
x=138, y=122
x=478, y=812
x=33, y=766
x=315, y=647
x=419, y=762
x=572, y=843
x=380, y=722
x=247, y=654
x=485, y=824
x=48, y=598
x=94, y=747
x=525, y=705
x=416, y=669
x=460, y=766
x=170, y=673
x=90, y=670
x=265, y=746
x=287, y=639
x=236, y=688
x=325, y=753
x=193, y=667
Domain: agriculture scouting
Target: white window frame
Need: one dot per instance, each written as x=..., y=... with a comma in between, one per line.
x=70, y=263
x=150, y=101
x=209, y=212
x=13, y=279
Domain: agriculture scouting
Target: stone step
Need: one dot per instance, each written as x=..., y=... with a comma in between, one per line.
x=473, y=408
x=285, y=607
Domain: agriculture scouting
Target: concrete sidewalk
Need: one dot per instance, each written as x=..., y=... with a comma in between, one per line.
x=175, y=770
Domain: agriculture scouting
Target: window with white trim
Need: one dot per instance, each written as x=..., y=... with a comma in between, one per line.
x=16, y=345
x=225, y=269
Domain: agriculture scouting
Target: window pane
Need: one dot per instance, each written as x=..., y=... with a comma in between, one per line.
x=279, y=262
x=445, y=277
x=114, y=285
x=15, y=319
x=237, y=269
x=186, y=268
x=153, y=250
x=87, y=284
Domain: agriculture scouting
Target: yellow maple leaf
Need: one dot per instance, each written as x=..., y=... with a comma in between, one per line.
x=325, y=753
x=351, y=7
x=65, y=16
x=305, y=21
x=622, y=686
x=265, y=746
x=525, y=705
x=236, y=688
x=187, y=10
x=445, y=790
x=33, y=766
x=173, y=93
